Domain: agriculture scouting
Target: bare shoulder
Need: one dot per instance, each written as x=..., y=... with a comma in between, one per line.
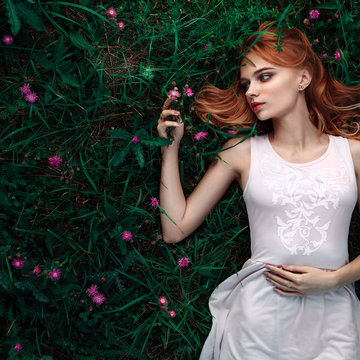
x=354, y=146
x=355, y=153
x=236, y=153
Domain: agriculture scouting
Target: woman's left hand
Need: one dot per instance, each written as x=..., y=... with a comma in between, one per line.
x=295, y=280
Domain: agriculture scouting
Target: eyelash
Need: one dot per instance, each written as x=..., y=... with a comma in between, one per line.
x=243, y=86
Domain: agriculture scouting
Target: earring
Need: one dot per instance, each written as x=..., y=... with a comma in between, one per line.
x=301, y=88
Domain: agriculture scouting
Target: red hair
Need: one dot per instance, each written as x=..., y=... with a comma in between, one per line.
x=333, y=106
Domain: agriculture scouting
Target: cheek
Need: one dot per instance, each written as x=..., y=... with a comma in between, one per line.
x=283, y=93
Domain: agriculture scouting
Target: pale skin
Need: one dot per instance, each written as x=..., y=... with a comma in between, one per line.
x=294, y=138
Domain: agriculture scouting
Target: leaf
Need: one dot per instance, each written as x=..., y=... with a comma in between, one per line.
x=49, y=242
x=29, y=16
x=142, y=134
x=128, y=260
x=78, y=40
x=40, y=296
x=110, y=212
x=120, y=133
x=4, y=282
x=68, y=79
x=139, y=155
x=13, y=18
x=327, y=5
x=120, y=155
x=43, y=62
x=156, y=142
x=87, y=174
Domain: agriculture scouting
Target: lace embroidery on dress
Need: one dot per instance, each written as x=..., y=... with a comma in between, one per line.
x=299, y=195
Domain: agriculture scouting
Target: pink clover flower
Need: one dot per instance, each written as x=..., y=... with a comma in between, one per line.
x=127, y=235
x=31, y=97
x=314, y=14
x=120, y=25
x=7, y=39
x=183, y=262
x=111, y=12
x=172, y=313
x=17, y=263
x=55, y=274
x=154, y=201
x=200, y=135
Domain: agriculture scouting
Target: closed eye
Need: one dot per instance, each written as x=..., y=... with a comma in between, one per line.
x=262, y=77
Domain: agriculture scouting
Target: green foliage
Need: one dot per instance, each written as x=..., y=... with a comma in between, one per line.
x=99, y=87
x=18, y=9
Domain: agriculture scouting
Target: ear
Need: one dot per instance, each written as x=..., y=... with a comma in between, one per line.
x=304, y=79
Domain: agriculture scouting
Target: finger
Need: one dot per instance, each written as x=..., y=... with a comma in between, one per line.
x=281, y=282
x=166, y=113
x=167, y=103
x=296, y=268
x=282, y=273
x=288, y=293
x=169, y=124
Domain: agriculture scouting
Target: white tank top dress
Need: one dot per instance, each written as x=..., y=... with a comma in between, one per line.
x=299, y=214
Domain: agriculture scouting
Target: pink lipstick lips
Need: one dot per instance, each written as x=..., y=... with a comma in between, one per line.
x=256, y=106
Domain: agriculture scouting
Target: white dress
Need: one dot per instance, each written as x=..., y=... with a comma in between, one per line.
x=299, y=214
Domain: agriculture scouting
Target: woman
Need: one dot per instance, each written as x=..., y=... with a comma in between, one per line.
x=294, y=298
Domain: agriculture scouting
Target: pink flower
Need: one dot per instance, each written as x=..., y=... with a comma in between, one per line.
x=314, y=14
x=163, y=307
x=200, y=135
x=135, y=139
x=206, y=46
x=174, y=94
x=25, y=89
x=18, y=263
x=183, y=262
x=55, y=274
x=120, y=25
x=127, y=235
x=31, y=97
x=172, y=313
x=112, y=19
x=188, y=92
x=111, y=11
x=7, y=39
x=98, y=298
x=163, y=301
x=154, y=201
x=103, y=279
x=54, y=161
x=37, y=271
x=324, y=56
x=17, y=347
x=337, y=55
x=92, y=290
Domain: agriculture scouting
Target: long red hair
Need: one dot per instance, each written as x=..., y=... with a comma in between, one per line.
x=334, y=107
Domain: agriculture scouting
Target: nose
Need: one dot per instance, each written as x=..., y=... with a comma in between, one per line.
x=252, y=91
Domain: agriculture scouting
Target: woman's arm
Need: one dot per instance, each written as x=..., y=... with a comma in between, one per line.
x=188, y=214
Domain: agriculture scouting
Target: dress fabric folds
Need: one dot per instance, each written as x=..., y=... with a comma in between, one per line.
x=299, y=214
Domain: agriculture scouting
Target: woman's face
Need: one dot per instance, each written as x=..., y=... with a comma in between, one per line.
x=277, y=88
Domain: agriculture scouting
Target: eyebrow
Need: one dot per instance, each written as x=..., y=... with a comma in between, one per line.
x=259, y=71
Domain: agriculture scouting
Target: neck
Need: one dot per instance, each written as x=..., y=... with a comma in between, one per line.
x=296, y=131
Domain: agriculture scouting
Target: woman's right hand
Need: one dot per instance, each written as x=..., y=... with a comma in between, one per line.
x=177, y=126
